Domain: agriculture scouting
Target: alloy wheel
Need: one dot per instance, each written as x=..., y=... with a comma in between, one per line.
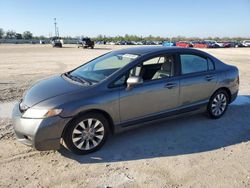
x=88, y=134
x=219, y=104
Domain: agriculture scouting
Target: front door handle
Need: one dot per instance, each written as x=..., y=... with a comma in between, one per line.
x=170, y=85
x=209, y=77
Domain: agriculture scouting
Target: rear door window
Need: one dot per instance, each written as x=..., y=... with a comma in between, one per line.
x=192, y=63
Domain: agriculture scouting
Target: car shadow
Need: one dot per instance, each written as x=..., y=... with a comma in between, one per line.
x=68, y=47
x=94, y=48
x=101, y=48
x=180, y=136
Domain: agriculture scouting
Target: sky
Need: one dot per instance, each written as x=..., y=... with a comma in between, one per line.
x=166, y=18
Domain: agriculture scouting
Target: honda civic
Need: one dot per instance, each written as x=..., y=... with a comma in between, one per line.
x=121, y=89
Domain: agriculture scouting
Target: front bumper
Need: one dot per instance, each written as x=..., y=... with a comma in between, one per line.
x=42, y=134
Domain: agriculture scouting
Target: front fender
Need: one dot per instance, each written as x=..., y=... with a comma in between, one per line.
x=73, y=104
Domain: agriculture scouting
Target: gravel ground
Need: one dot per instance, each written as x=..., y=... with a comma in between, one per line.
x=192, y=151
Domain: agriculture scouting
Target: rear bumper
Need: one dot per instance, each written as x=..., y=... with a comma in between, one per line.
x=234, y=96
x=42, y=134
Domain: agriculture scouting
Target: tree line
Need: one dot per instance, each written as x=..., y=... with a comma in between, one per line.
x=158, y=38
x=11, y=34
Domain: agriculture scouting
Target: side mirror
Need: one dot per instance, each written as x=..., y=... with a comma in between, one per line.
x=134, y=80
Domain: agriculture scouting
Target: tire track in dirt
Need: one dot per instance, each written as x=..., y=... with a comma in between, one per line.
x=24, y=155
x=19, y=157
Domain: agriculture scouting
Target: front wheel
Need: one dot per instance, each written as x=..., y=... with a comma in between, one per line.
x=86, y=134
x=218, y=104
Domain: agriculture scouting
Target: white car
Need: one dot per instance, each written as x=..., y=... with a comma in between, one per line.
x=246, y=43
x=219, y=44
x=112, y=43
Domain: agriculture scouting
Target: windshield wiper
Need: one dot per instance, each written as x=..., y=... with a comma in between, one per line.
x=77, y=78
x=83, y=80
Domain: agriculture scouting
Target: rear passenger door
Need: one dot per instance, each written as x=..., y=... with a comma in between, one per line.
x=197, y=79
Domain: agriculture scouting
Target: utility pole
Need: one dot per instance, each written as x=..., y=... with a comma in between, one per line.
x=55, y=27
x=57, y=31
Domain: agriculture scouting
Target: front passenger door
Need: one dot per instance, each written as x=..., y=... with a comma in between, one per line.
x=152, y=97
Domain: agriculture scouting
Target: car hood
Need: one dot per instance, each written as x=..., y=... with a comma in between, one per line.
x=48, y=88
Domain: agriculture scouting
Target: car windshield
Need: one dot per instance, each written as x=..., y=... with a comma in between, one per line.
x=102, y=67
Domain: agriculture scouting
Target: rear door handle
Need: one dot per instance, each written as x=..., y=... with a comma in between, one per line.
x=209, y=77
x=170, y=85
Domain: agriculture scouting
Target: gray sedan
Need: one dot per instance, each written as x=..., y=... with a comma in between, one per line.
x=119, y=90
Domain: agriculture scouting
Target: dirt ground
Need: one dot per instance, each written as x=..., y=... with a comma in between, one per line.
x=192, y=151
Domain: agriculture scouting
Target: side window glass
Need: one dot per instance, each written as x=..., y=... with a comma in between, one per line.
x=193, y=63
x=121, y=81
x=152, y=61
x=135, y=71
x=113, y=62
x=161, y=60
x=162, y=67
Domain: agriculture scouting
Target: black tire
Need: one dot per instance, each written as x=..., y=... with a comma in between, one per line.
x=68, y=134
x=221, y=107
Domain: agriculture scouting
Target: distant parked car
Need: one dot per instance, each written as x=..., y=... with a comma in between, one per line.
x=232, y=44
x=42, y=42
x=86, y=43
x=201, y=44
x=158, y=42
x=206, y=44
x=246, y=43
x=220, y=44
x=121, y=89
x=56, y=42
x=239, y=44
x=228, y=44
x=99, y=42
x=150, y=42
x=121, y=43
x=130, y=43
x=168, y=44
x=139, y=43
x=212, y=44
x=112, y=43
x=184, y=44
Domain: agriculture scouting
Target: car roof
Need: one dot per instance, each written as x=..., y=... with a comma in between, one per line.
x=155, y=49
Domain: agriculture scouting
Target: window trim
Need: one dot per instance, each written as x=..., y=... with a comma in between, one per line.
x=212, y=64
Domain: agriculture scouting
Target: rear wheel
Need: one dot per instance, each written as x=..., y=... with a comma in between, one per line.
x=86, y=134
x=218, y=104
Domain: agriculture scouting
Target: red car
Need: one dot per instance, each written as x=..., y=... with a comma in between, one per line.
x=184, y=44
x=201, y=45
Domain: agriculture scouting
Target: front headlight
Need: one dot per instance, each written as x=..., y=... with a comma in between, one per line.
x=41, y=113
